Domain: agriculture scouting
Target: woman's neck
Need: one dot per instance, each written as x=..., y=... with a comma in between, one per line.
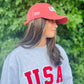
x=42, y=42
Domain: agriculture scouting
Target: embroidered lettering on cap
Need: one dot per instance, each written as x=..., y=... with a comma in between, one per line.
x=51, y=9
x=36, y=13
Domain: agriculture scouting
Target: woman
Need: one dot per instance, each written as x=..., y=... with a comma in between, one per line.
x=37, y=59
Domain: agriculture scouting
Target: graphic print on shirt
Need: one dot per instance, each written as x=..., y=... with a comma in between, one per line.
x=45, y=74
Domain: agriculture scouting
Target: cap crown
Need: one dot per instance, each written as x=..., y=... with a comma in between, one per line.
x=44, y=10
x=40, y=10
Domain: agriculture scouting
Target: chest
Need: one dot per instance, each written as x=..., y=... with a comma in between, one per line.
x=47, y=75
x=38, y=70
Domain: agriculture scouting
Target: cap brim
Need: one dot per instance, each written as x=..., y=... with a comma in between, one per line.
x=59, y=19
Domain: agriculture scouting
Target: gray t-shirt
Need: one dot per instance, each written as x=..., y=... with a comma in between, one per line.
x=32, y=66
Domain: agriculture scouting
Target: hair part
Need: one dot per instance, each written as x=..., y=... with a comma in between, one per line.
x=33, y=36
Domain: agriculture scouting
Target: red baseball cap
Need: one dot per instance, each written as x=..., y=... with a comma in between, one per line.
x=44, y=10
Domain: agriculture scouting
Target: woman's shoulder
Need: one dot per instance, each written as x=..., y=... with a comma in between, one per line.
x=61, y=49
x=16, y=52
x=20, y=50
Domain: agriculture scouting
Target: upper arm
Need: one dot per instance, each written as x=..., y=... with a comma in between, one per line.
x=66, y=69
x=10, y=71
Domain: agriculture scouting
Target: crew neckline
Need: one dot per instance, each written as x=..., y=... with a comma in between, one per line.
x=39, y=48
x=43, y=47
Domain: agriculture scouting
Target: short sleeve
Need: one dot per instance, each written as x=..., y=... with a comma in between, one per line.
x=66, y=69
x=10, y=71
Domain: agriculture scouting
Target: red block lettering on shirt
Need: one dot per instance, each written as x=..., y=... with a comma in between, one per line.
x=28, y=75
x=36, y=75
x=59, y=75
x=48, y=75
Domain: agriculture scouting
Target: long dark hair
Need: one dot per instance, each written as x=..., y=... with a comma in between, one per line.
x=33, y=36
